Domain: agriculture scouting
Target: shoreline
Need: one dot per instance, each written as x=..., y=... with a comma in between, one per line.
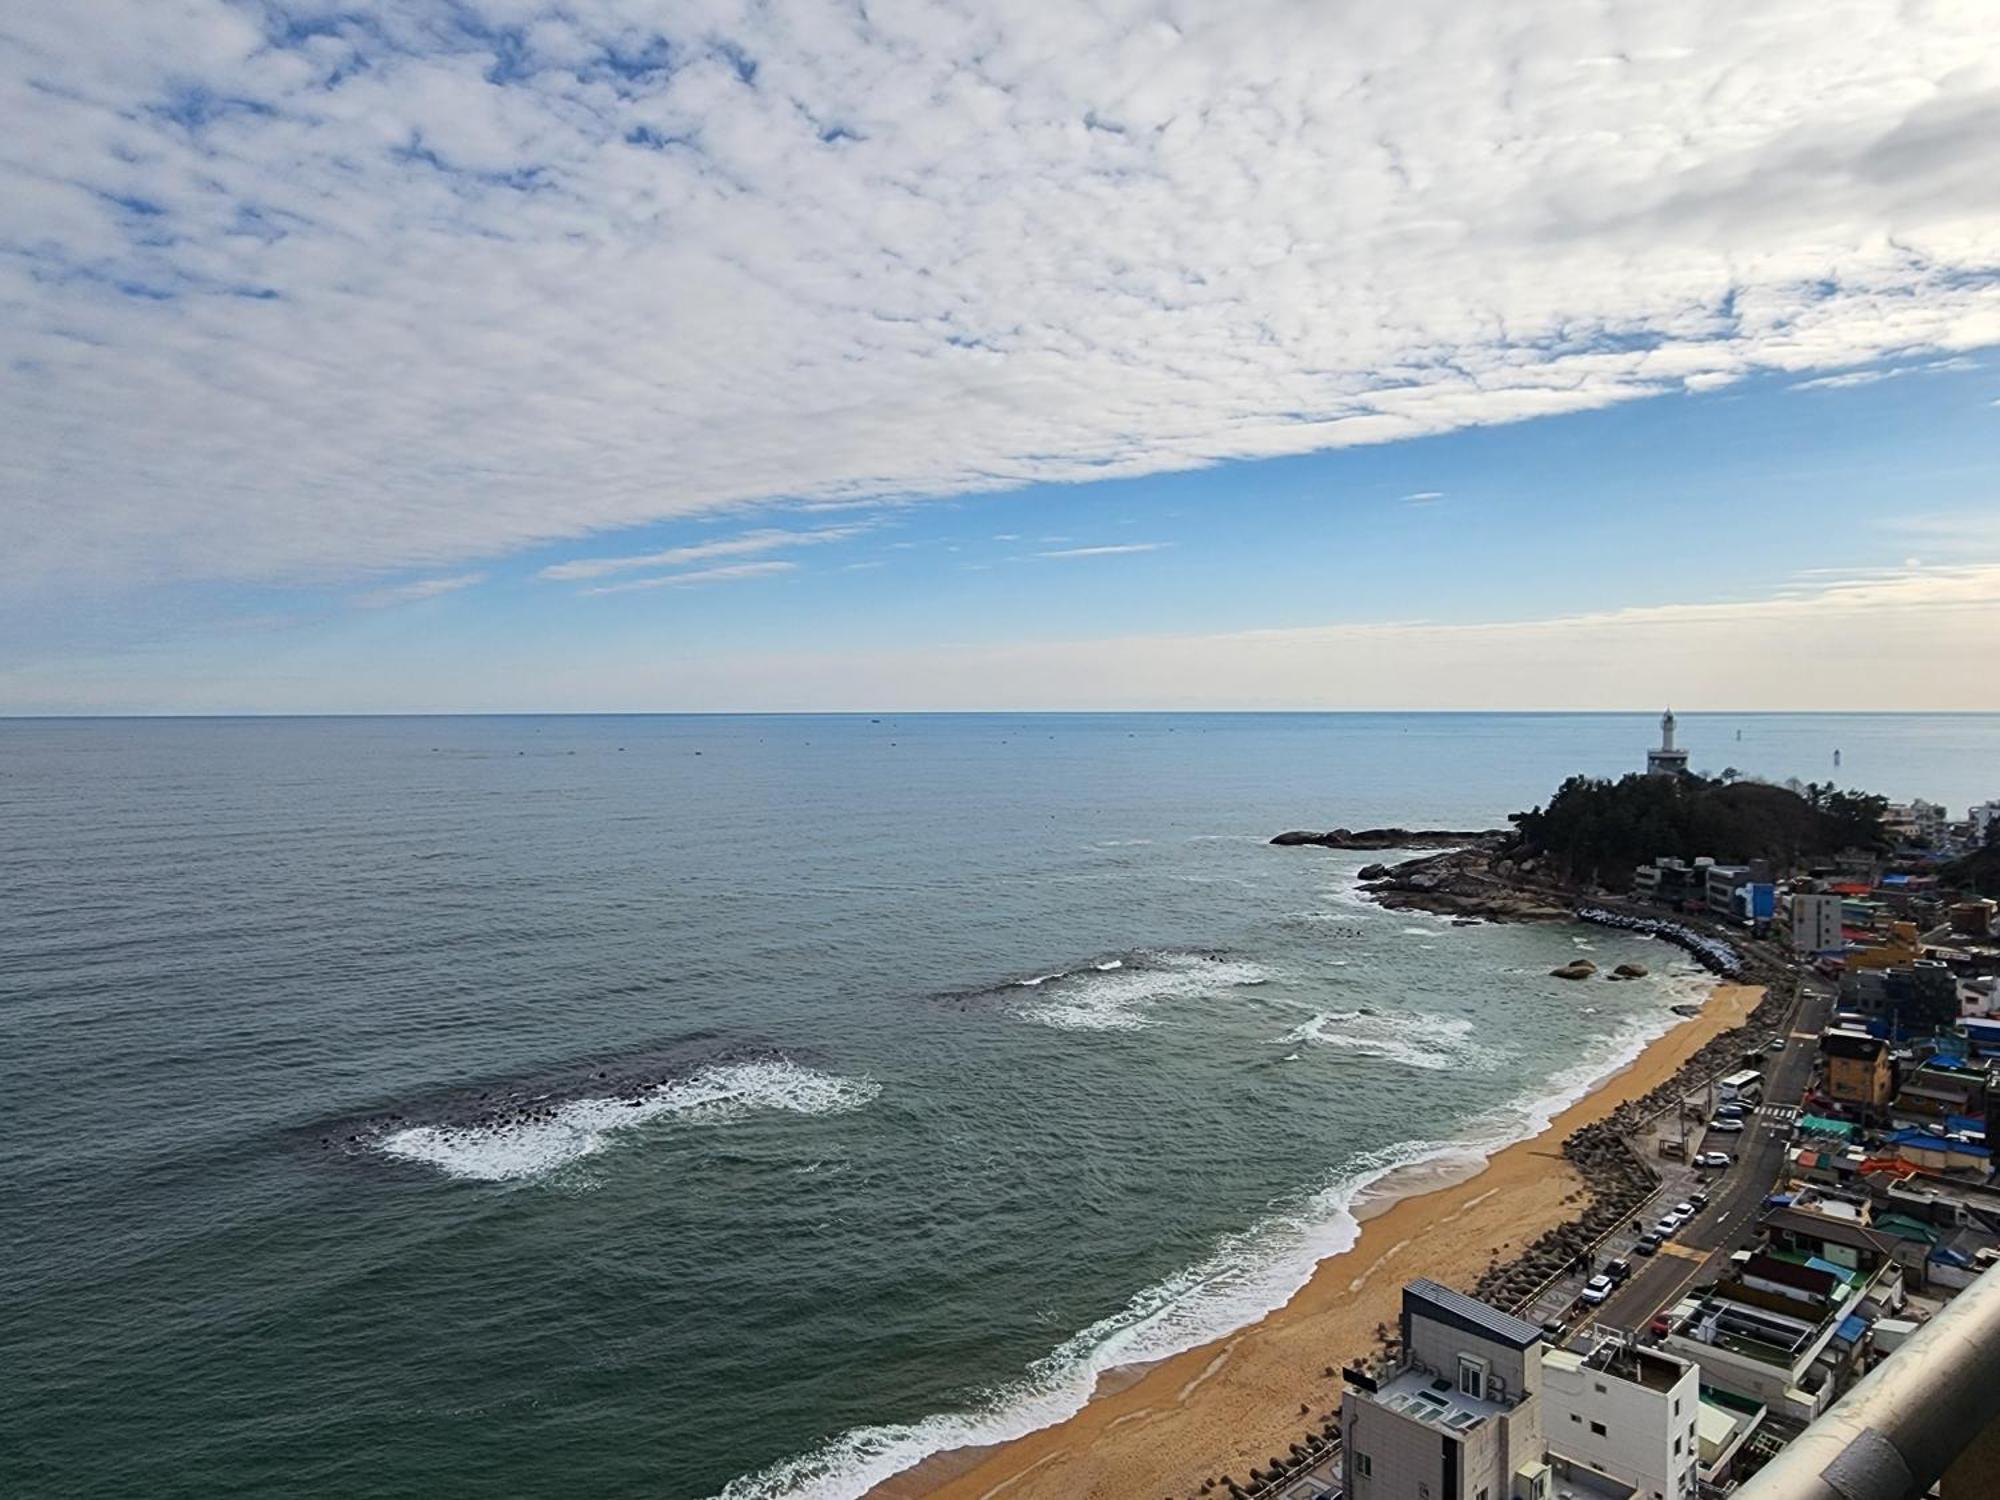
x=1165, y=1427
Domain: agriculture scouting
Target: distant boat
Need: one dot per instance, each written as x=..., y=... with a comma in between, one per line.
x=1836, y=757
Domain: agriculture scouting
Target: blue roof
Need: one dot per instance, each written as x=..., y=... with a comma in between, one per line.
x=1936, y=1143
x=1850, y=1330
x=1969, y=1124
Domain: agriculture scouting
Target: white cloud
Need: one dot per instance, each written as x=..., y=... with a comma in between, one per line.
x=420, y=589
x=1119, y=550
x=751, y=542
x=1424, y=497
x=1874, y=377
x=732, y=573
x=299, y=288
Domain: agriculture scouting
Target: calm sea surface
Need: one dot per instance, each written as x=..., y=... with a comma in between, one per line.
x=675, y=1107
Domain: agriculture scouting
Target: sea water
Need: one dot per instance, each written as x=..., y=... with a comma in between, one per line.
x=682, y=1107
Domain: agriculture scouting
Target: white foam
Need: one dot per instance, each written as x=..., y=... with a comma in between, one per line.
x=1119, y=998
x=1417, y=1040
x=723, y=1092
x=1246, y=1276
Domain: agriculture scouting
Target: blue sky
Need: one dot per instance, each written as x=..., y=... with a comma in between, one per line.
x=503, y=355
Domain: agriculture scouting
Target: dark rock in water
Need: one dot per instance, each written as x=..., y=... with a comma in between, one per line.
x=1372, y=872
x=1392, y=838
x=1576, y=968
x=1629, y=971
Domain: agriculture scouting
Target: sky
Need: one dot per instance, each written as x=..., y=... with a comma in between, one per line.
x=496, y=355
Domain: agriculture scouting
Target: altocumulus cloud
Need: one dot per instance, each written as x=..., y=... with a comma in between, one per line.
x=298, y=287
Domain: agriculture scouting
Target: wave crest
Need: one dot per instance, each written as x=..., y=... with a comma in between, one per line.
x=534, y=1143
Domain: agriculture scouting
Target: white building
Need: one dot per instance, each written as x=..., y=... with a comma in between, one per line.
x=1461, y=1417
x=1666, y=761
x=1628, y=1412
x=1815, y=922
x=1983, y=817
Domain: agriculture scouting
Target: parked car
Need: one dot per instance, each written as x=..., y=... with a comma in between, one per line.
x=1649, y=1244
x=1726, y=1127
x=1666, y=1227
x=1729, y=1112
x=1712, y=1159
x=1618, y=1271
x=1660, y=1327
x=1699, y=1200
x=1597, y=1289
x=1684, y=1211
x=1777, y=1044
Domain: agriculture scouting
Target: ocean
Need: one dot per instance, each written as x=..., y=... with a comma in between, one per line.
x=686, y=1107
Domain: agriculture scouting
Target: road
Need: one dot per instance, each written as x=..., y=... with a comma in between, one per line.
x=1737, y=1197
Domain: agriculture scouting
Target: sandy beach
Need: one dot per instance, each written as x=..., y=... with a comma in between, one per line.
x=1223, y=1407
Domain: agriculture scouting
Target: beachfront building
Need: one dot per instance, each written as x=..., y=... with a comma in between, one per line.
x=1666, y=761
x=1628, y=1412
x=1816, y=922
x=1460, y=1417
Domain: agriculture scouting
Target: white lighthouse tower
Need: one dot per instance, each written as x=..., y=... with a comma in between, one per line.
x=1666, y=761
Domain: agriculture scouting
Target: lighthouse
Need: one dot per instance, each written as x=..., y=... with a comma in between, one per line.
x=1666, y=761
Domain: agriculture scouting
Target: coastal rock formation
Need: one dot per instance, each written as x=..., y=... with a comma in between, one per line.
x=1464, y=882
x=1576, y=968
x=1629, y=971
x=1393, y=838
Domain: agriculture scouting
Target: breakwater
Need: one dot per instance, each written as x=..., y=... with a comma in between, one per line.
x=1712, y=953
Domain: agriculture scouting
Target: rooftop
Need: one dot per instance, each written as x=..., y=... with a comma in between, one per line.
x=1430, y=1299
x=1429, y=1397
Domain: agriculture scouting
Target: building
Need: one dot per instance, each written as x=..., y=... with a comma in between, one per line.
x=1721, y=884
x=1860, y=1069
x=1911, y=999
x=1915, y=822
x=1816, y=922
x=1666, y=761
x=1983, y=818
x=1785, y=1328
x=1461, y=1417
x=1628, y=1412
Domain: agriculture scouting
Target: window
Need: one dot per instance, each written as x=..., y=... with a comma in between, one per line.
x=1677, y=1447
x=1361, y=1464
x=1472, y=1376
x=1574, y=1417
x=1677, y=1406
x=1598, y=1428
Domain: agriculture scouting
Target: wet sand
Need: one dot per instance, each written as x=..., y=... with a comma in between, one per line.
x=1236, y=1403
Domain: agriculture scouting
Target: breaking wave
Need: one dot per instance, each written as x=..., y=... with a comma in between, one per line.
x=1123, y=994
x=1246, y=1276
x=535, y=1141
x=1416, y=1041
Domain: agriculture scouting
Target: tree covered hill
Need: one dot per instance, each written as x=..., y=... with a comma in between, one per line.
x=1597, y=831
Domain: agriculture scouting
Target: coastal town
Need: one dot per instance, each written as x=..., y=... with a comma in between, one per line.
x=1780, y=1242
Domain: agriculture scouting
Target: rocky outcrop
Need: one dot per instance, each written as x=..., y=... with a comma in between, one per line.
x=1629, y=971
x=1576, y=968
x=1394, y=838
x=1461, y=883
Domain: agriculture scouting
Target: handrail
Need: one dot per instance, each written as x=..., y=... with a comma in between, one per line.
x=1895, y=1434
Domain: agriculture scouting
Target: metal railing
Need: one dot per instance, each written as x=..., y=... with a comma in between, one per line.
x=1897, y=1432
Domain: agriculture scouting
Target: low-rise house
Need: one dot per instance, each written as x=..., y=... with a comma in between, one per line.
x=1860, y=1069
x=1628, y=1412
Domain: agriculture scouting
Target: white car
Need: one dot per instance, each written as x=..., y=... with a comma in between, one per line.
x=1684, y=1211
x=1666, y=1227
x=1726, y=1127
x=1597, y=1289
x=1712, y=1159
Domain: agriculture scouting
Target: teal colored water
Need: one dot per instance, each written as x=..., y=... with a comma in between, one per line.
x=676, y=1107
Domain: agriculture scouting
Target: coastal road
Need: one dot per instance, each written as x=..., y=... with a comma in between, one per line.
x=1737, y=1196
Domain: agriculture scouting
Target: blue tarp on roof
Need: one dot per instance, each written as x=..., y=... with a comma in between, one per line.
x=1950, y=1257
x=1965, y=1124
x=1839, y=1273
x=1851, y=1329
